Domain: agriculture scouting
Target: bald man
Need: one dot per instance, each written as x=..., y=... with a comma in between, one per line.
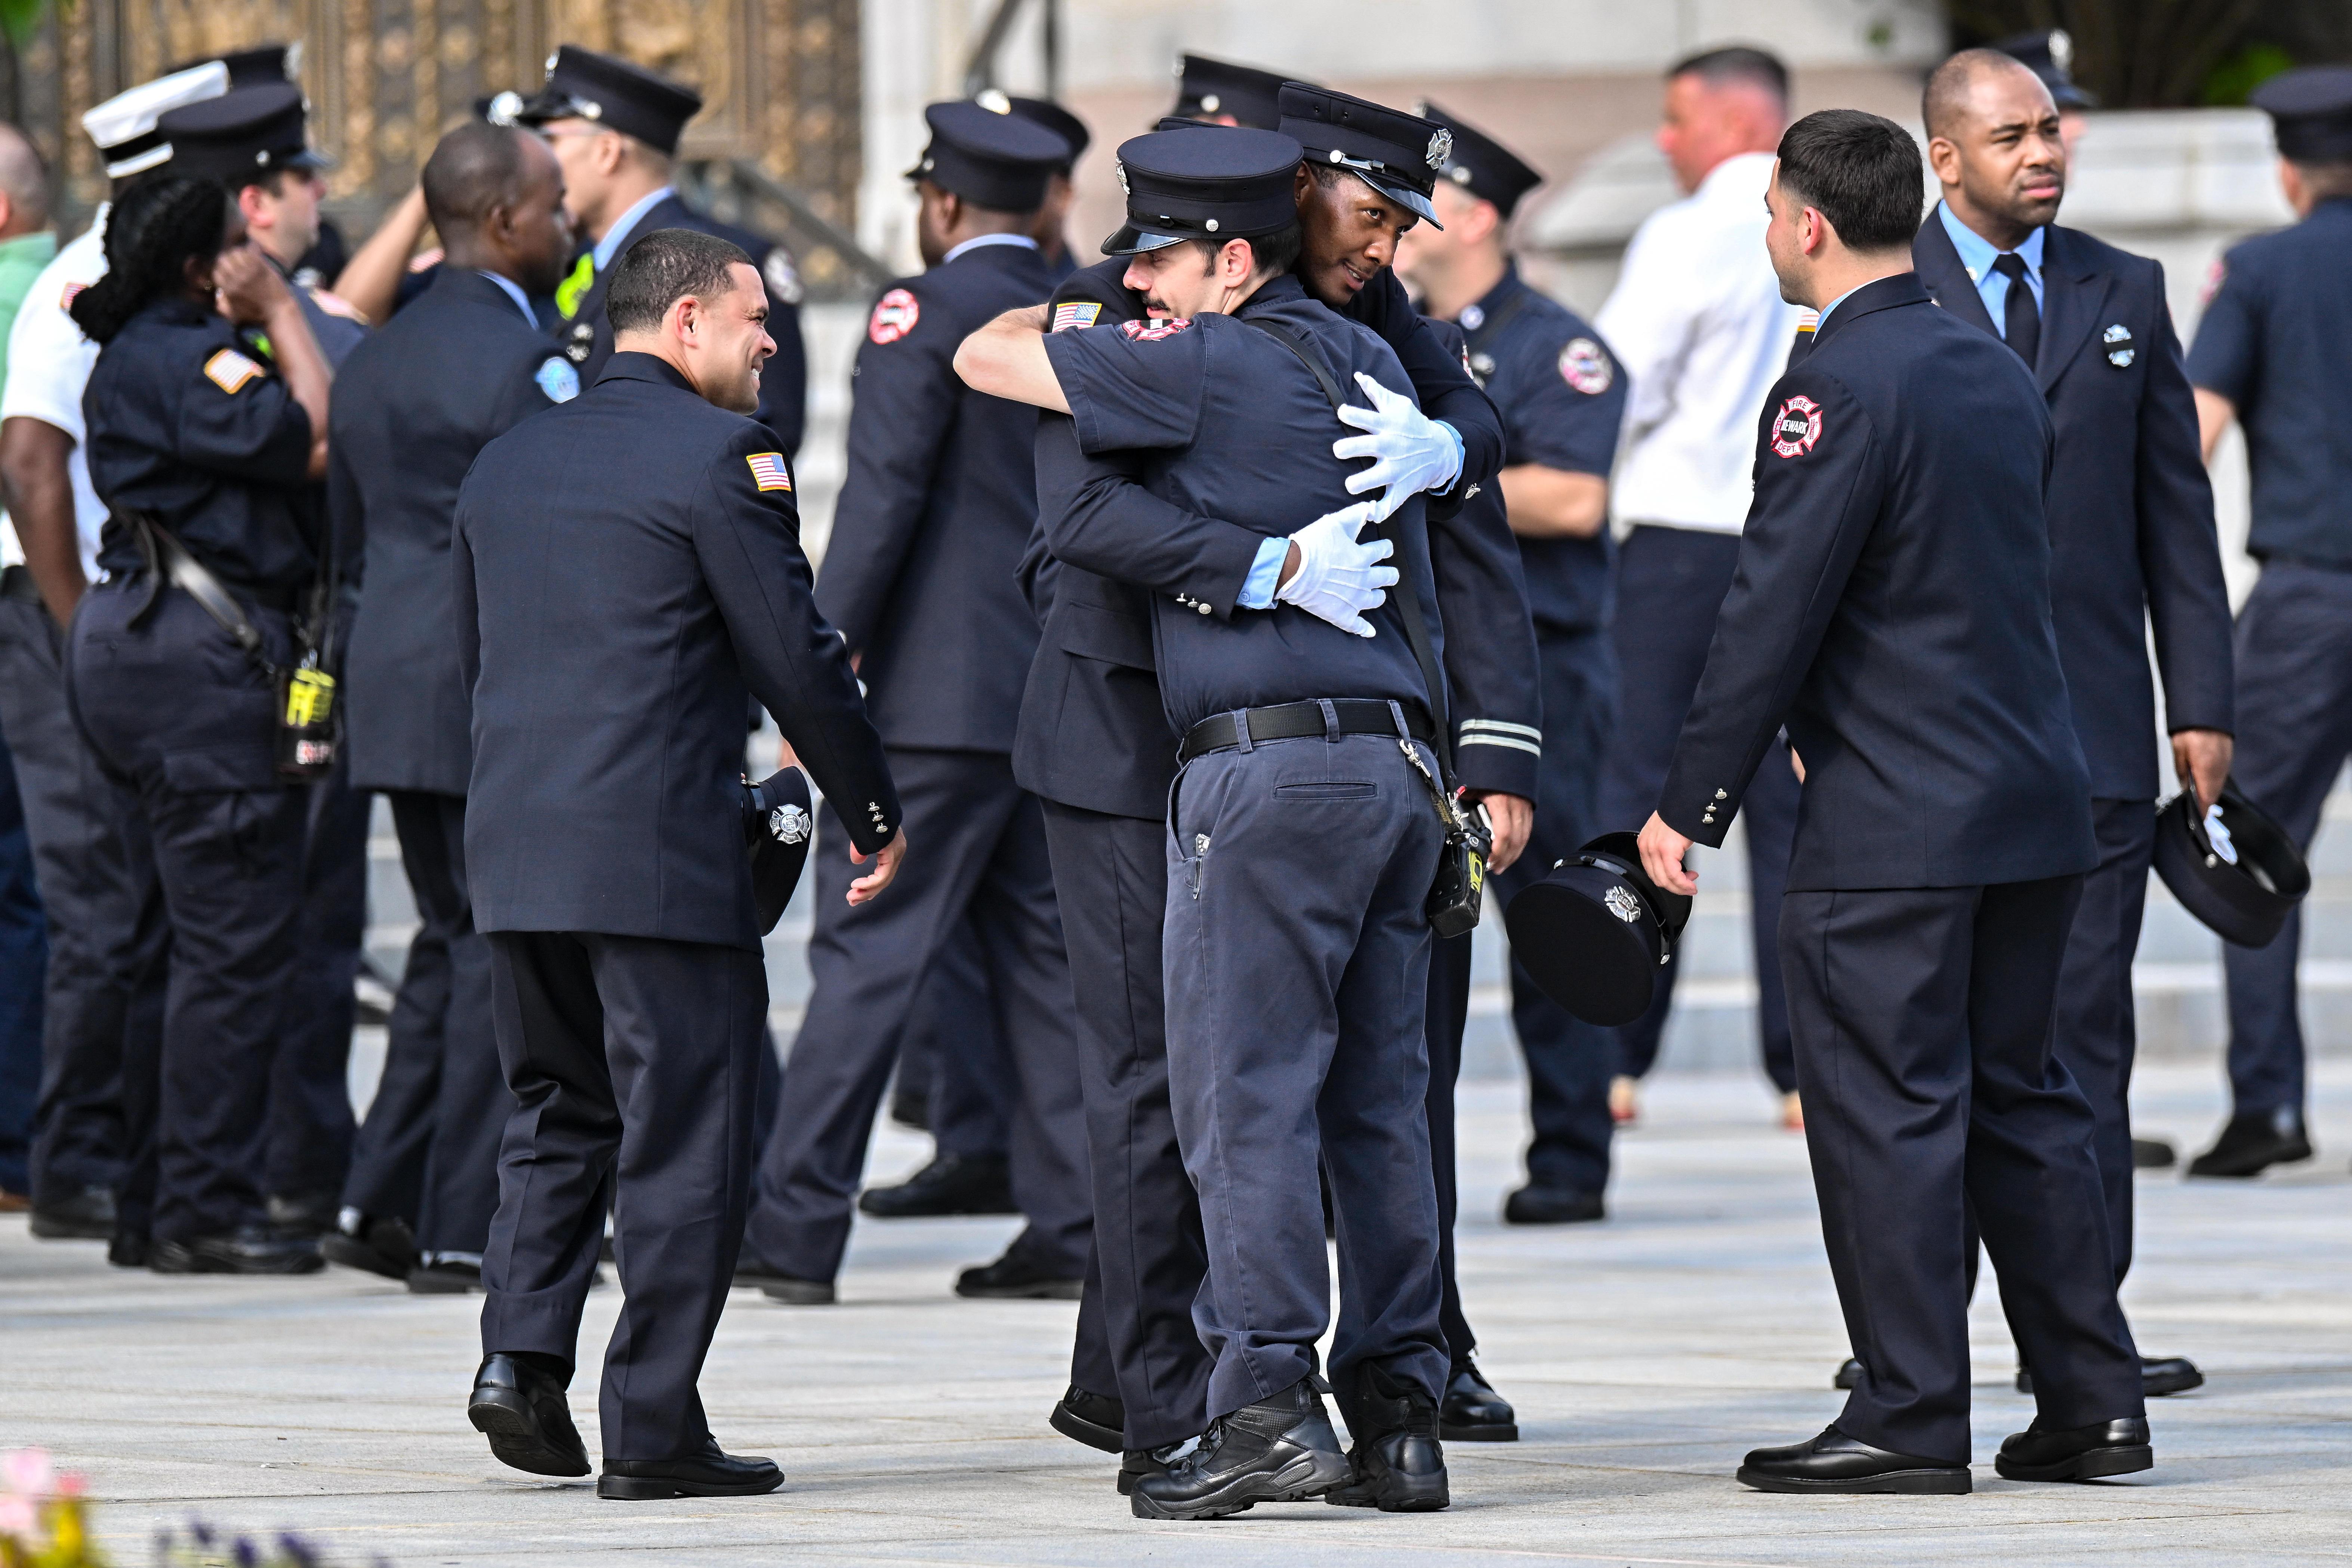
x=2131, y=535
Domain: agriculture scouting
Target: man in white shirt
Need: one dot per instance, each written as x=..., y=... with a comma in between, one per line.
x=1698, y=324
x=103, y=996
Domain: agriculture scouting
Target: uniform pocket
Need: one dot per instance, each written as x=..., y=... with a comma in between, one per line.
x=1328, y=789
x=210, y=770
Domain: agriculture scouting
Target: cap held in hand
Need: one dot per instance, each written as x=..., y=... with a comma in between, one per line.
x=777, y=826
x=1594, y=932
x=2241, y=875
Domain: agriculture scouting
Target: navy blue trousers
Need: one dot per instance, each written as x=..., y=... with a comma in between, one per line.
x=1670, y=584
x=2295, y=729
x=1923, y=1021
x=24, y=966
x=1296, y=960
x=107, y=935
x=973, y=1093
x=178, y=711
x=310, y=1122
x=634, y=1066
x=983, y=857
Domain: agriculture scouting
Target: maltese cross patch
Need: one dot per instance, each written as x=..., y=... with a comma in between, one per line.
x=1797, y=427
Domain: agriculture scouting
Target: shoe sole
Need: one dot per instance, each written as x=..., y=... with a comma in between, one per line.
x=1905, y=1483
x=1046, y=1290
x=159, y=1264
x=1308, y=1476
x=2090, y=1467
x=1486, y=1432
x=504, y=1417
x=1093, y=1434
x=352, y=1253
x=799, y=1294
x=49, y=1229
x=654, y=1489
x=1393, y=1494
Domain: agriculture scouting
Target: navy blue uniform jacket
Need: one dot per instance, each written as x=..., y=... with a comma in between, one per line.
x=413, y=407
x=2131, y=512
x=627, y=570
x=936, y=511
x=1092, y=732
x=1891, y=606
x=784, y=384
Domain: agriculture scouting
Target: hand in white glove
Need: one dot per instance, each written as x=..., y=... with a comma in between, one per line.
x=1415, y=451
x=1337, y=579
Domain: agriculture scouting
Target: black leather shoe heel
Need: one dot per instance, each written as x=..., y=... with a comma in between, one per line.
x=1280, y=1449
x=1094, y=1419
x=950, y=1184
x=521, y=1410
x=1474, y=1413
x=1398, y=1464
x=250, y=1249
x=385, y=1247
x=1835, y=1463
x=707, y=1474
x=2083, y=1454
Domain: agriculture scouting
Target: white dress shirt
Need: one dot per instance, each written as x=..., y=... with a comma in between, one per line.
x=1697, y=322
x=49, y=363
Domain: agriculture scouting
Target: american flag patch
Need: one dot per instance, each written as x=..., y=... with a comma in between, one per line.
x=65, y=300
x=1076, y=314
x=768, y=471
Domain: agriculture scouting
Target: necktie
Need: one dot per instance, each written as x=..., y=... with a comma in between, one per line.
x=2020, y=317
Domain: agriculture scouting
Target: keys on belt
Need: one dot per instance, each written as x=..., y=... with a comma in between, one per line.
x=1299, y=721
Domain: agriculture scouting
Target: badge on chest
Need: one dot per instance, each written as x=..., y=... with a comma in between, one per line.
x=2118, y=341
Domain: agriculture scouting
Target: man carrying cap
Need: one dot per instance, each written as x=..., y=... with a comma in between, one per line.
x=919, y=577
x=1303, y=833
x=1221, y=93
x=615, y=126
x=1562, y=397
x=2270, y=353
x=103, y=996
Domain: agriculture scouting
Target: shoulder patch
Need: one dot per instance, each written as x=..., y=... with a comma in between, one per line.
x=1152, y=331
x=782, y=277
x=1585, y=366
x=1797, y=427
x=2215, y=276
x=768, y=471
x=425, y=260
x=557, y=379
x=65, y=300
x=1076, y=314
x=334, y=304
x=895, y=315
x=230, y=370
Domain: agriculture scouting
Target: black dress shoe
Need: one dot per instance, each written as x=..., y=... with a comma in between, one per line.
x=794, y=1292
x=1280, y=1449
x=517, y=1404
x=1014, y=1278
x=1848, y=1375
x=2084, y=1454
x=1398, y=1464
x=950, y=1184
x=85, y=1215
x=1097, y=1420
x=1834, y=1462
x=446, y=1276
x=2152, y=1155
x=2158, y=1375
x=1541, y=1203
x=128, y=1250
x=1472, y=1411
x=385, y=1247
x=249, y=1250
x=2252, y=1141
x=711, y=1473
x=308, y=1217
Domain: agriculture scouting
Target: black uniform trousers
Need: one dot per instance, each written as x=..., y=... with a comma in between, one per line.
x=2294, y=728
x=23, y=965
x=1670, y=584
x=310, y=1123
x=970, y=1090
x=1569, y=1061
x=1924, y=1020
x=177, y=710
x=104, y=914
x=1445, y=1021
x=984, y=854
x=428, y=1152
x=634, y=1063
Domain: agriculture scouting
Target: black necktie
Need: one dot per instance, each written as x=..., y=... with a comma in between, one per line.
x=2020, y=323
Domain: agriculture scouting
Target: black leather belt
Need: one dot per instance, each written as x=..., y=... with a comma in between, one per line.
x=1299, y=721
x=286, y=601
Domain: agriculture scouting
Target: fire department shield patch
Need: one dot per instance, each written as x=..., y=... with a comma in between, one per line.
x=1584, y=367
x=1797, y=427
x=895, y=315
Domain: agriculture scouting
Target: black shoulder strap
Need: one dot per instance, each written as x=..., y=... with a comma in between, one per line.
x=1416, y=631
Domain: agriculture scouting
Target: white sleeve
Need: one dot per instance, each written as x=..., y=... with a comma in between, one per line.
x=1648, y=322
x=49, y=363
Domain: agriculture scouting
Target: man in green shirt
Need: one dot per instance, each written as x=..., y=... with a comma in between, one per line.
x=26, y=241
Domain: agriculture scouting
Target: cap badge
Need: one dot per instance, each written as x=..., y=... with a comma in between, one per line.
x=2062, y=48
x=505, y=107
x=993, y=100
x=1120, y=170
x=1441, y=147
x=1210, y=102
x=1796, y=426
x=1623, y=905
x=790, y=824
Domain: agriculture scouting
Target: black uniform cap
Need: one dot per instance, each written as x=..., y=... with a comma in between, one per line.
x=1043, y=112
x=1205, y=87
x=262, y=64
x=2050, y=55
x=244, y=134
x=2243, y=893
x=1596, y=931
x=997, y=160
x=1481, y=165
x=1397, y=154
x=2311, y=109
x=1210, y=184
x=616, y=93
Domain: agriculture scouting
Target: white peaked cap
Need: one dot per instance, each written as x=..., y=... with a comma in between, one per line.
x=124, y=125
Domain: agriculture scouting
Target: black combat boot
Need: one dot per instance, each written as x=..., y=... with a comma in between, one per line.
x=1280, y=1449
x=1398, y=1463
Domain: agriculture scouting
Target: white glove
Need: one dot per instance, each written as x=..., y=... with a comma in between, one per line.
x=1415, y=451
x=1337, y=579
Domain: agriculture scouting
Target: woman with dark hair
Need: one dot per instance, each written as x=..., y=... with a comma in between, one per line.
x=203, y=441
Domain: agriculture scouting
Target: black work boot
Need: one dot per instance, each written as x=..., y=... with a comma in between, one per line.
x=1398, y=1463
x=1280, y=1449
